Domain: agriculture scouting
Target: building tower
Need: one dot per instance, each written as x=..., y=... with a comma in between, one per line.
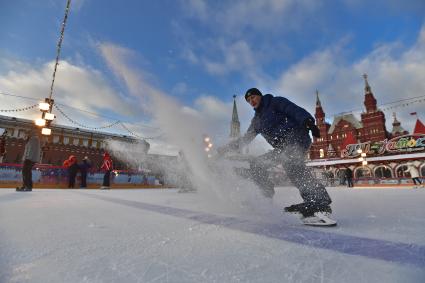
x=319, y=115
x=398, y=130
x=320, y=145
x=235, y=125
x=373, y=119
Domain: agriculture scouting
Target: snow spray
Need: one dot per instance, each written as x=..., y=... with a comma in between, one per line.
x=185, y=129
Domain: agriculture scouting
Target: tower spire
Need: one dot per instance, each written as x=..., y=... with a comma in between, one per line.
x=318, y=103
x=235, y=126
x=370, y=101
x=367, y=88
x=319, y=114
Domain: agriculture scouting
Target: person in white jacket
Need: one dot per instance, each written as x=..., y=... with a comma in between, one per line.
x=414, y=174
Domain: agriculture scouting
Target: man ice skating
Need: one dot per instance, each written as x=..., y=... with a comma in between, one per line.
x=285, y=126
x=84, y=166
x=31, y=156
x=349, y=177
x=107, y=167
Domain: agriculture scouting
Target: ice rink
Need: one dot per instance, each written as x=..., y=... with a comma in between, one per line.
x=160, y=235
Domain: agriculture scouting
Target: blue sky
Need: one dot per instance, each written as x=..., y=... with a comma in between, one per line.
x=202, y=52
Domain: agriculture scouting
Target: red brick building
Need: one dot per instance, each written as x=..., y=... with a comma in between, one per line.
x=387, y=151
x=63, y=142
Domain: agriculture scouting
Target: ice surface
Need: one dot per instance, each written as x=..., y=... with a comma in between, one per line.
x=164, y=236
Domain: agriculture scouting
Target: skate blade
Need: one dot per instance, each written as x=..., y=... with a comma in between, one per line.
x=319, y=219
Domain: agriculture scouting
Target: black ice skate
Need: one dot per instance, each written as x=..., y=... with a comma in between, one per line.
x=23, y=189
x=312, y=214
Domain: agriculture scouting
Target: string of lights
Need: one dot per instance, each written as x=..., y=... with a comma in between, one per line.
x=403, y=104
x=118, y=122
x=105, y=116
x=82, y=125
x=400, y=103
x=136, y=135
x=19, y=109
x=19, y=96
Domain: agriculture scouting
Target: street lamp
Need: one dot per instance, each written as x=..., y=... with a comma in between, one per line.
x=46, y=117
x=362, y=159
x=208, y=145
x=40, y=122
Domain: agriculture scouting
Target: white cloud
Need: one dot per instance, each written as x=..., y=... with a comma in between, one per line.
x=181, y=88
x=260, y=15
x=395, y=72
x=183, y=126
x=237, y=34
x=78, y=86
x=237, y=56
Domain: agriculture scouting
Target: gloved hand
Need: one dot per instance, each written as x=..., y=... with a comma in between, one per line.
x=310, y=126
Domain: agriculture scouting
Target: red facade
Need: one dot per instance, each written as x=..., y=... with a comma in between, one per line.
x=347, y=129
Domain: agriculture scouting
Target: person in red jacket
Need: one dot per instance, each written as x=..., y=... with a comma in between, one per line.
x=107, y=166
x=72, y=166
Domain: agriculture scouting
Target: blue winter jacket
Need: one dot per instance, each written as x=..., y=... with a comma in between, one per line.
x=280, y=122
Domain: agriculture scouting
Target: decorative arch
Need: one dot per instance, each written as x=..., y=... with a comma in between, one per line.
x=422, y=170
x=362, y=172
x=399, y=170
x=383, y=171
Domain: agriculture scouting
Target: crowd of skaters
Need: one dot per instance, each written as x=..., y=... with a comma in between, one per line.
x=31, y=156
x=73, y=167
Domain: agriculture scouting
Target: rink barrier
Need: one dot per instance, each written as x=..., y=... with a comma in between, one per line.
x=373, y=182
x=50, y=176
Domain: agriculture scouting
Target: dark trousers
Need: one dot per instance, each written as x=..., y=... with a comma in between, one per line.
x=83, y=179
x=416, y=179
x=350, y=182
x=27, y=173
x=106, y=177
x=71, y=180
x=292, y=160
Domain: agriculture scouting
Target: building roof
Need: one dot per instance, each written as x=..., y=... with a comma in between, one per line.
x=419, y=127
x=350, y=139
x=26, y=123
x=397, y=128
x=347, y=117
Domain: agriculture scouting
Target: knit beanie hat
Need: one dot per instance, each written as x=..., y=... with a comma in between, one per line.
x=252, y=91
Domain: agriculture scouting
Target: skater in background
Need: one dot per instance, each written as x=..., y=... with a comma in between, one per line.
x=107, y=167
x=32, y=154
x=414, y=174
x=72, y=166
x=85, y=165
x=286, y=127
x=349, y=176
x=3, y=138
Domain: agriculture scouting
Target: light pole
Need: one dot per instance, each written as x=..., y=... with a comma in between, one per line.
x=46, y=117
x=46, y=106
